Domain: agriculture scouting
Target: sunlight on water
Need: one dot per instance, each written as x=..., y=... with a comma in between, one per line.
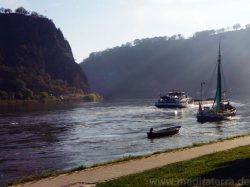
x=66, y=136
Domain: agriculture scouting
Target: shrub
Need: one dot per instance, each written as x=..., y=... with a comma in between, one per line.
x=44, y=95
x=28, y=94
x=3, y=95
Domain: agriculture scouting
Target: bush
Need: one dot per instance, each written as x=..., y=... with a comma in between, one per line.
x=93, y=97
x=3, y=95
x=20, y=85
x=44, y=95
x=28, y=94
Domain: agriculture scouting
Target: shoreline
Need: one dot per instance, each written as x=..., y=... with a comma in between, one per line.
x=92, y=97
x=93, y=174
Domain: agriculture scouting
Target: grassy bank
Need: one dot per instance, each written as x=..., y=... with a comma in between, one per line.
x=227, y=168
x=124, y=159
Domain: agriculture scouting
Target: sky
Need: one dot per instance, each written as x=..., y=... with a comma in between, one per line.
x=95, y=25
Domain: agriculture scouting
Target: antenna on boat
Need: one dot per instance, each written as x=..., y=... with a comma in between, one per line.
x=202, y=83
x=219, y=54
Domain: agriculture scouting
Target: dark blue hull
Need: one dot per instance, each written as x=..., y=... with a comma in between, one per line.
x=164, y=132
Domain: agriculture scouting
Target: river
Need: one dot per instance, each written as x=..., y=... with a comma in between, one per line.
x=37, y=139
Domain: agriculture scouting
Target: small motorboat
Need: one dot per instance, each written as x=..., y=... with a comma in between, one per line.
x=163, y=132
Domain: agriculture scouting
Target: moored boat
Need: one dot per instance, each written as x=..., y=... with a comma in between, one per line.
x=163, y=132
x=220, y=109
x=174, y=99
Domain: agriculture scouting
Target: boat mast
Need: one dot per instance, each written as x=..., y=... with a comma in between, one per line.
x=218, y=89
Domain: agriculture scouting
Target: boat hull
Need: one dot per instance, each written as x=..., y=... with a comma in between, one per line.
x=170, y=105
x=174, y=99
x=213, y=117
x=162, y=133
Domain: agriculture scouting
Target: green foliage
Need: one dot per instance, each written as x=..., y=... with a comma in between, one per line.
x=34, y=14
x=93, y=97
x=3, y=95
x=155, y=65
x=21, y=10
x=20, y=85
x=44, y=95
x=28, y=94
x=40, y=60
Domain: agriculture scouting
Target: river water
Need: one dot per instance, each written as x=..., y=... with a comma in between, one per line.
x=63, y=136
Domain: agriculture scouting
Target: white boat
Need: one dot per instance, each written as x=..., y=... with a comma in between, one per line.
x=174, y=99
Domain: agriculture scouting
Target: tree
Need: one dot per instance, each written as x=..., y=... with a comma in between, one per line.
x=220, y=30
x=137, y=42
x=204, y=33
x=21, y=10
x=180, y=37
x=7, y=11
x=34, y=14
x=236, y=26
x=20, y=85
x=2, y=10
x=128, y=44
x=174, y=37
x=247, y=26
x=27, y=93
x=3, y=95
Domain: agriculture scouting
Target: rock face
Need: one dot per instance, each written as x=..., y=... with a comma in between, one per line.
x=147, y=67
x=35, y=57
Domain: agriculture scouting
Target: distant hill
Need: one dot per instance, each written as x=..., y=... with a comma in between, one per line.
x=35, y=58
x=147, y=67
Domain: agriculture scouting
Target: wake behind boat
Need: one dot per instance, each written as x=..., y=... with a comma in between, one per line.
x=220, y=110
x=174, y=99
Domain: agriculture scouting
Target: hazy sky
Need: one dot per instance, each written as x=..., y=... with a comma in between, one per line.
x=94, y=25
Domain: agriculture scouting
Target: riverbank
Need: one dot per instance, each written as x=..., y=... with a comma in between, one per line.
x=92, y=97
x=226, y=168
x=116, y=170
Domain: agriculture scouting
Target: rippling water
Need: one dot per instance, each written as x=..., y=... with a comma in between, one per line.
x=48, y=138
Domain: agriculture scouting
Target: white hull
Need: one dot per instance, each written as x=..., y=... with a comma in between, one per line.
x=174, y=100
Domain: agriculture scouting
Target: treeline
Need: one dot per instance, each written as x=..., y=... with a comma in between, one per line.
x=21, y=10
x=29, y=83
x=203, y=33
x=147, y=67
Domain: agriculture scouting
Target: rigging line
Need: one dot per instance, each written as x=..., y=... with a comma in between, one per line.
x=210, y=81
x=224, y=80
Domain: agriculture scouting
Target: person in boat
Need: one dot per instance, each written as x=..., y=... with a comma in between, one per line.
x=151, y=130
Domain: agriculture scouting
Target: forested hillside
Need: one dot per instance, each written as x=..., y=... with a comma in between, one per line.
x=35, y=58
x=147, y=67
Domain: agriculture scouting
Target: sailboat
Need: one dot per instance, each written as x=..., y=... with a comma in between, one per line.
x=220, y=110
